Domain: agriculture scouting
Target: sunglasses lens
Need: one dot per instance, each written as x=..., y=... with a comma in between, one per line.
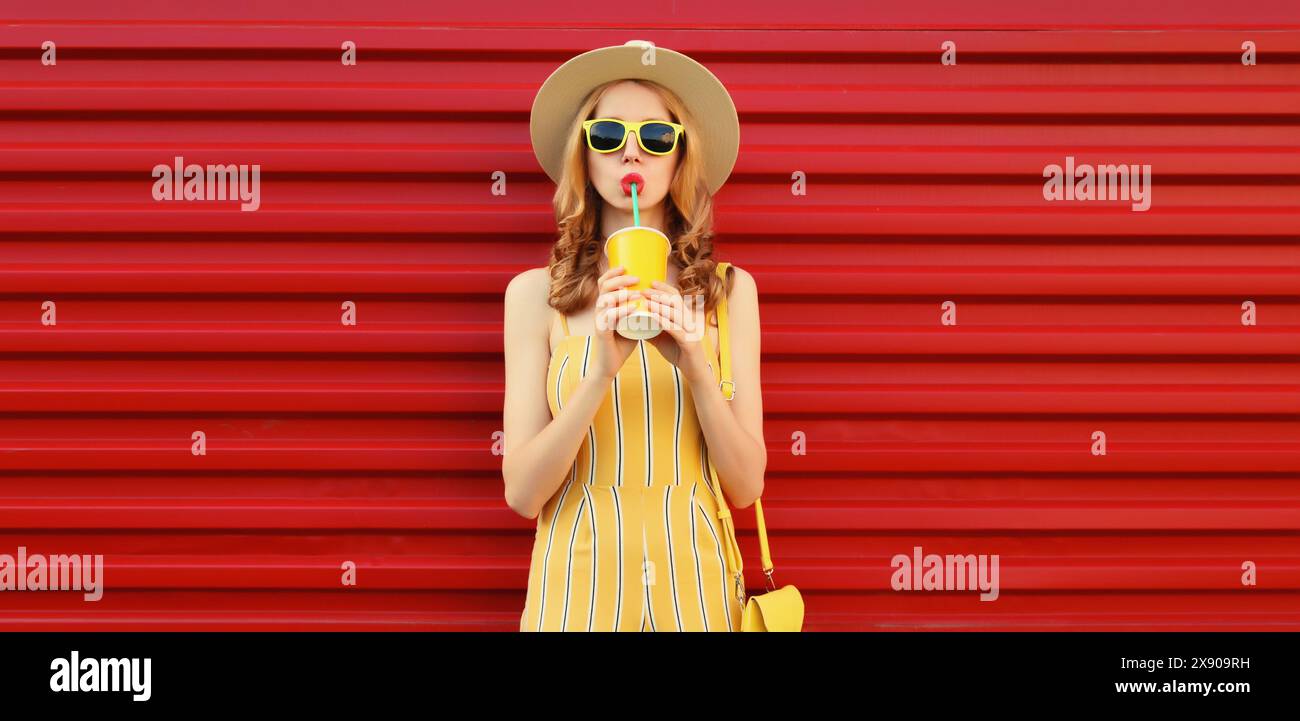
x=657, y=137
x=605, y=135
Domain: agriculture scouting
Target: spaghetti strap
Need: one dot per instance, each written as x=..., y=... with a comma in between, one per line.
x=564, y=323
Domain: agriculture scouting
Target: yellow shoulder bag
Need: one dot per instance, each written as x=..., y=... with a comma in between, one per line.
x=779, y=609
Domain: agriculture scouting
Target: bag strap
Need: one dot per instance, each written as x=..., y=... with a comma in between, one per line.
x=728, y=384
x=724, y=513
x=730, y=547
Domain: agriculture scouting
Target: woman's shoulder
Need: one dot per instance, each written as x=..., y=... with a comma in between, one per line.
x=528, y=289
x=742, y=281
x=533, y=279
x=532, y=276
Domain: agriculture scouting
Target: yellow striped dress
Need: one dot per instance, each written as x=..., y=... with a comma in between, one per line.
x=631, y=541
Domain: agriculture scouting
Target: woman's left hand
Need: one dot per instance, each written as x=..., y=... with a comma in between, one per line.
x=682, y=339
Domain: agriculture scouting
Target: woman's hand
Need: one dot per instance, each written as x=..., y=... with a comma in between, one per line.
x=612, y=305
x=682, y=339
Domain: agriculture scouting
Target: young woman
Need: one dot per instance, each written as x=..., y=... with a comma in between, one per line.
x=608, y=439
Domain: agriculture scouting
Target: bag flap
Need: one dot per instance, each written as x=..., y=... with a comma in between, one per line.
x=779, y=610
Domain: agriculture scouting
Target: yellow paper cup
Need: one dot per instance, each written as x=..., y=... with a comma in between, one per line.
x=642, y=252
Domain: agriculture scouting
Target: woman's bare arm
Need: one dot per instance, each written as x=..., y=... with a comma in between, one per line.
x=540, y=450
x=733, y=429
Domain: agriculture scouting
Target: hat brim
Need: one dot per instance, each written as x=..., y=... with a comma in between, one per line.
x=556, y=106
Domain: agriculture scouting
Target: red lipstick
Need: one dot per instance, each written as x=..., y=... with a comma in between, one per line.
x=631, y=178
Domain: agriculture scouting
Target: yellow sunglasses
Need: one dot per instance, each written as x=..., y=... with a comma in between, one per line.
x=657, y=137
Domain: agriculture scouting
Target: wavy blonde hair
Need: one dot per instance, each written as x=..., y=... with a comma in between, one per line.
x=688, y=216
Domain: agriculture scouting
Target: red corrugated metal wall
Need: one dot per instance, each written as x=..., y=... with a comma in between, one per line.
x=372, y=443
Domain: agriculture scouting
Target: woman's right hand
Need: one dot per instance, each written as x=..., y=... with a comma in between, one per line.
x=613, y=304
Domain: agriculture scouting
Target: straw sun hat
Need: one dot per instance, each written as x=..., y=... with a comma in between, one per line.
x=717, y=131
